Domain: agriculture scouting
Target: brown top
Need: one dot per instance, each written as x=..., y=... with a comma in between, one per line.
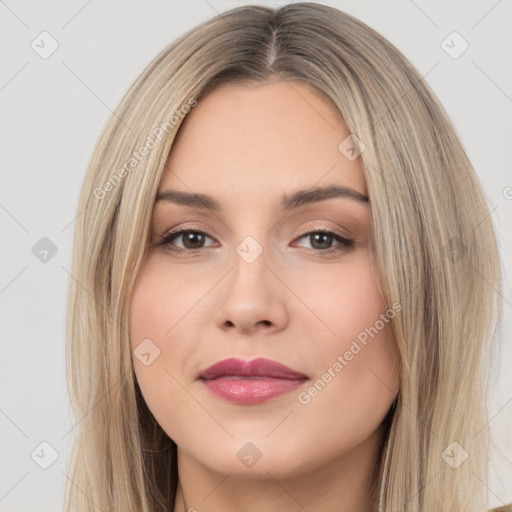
x=505, y=508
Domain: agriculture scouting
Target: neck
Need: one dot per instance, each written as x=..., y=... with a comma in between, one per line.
x=343, y=484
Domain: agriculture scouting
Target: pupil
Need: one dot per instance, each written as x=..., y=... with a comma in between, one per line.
x=318, y=237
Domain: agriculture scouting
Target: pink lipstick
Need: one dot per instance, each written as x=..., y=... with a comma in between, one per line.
x=251, y=382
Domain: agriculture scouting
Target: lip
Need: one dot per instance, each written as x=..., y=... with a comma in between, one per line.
x=251, y=382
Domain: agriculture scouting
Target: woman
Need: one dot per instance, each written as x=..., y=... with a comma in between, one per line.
x=282, y=292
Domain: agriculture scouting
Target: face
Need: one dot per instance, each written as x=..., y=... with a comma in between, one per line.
x=257, y=273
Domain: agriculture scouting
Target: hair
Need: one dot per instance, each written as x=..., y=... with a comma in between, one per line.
x=435, y=250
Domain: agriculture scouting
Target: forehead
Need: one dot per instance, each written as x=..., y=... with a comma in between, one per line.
x=248, y=138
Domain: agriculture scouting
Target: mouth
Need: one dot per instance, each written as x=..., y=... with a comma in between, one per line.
x=251, y=382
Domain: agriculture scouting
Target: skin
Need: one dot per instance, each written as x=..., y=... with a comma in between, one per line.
x=246, y=146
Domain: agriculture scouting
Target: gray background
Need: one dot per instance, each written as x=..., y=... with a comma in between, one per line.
x=52, y=112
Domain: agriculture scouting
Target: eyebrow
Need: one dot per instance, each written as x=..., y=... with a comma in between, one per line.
x=288, y=202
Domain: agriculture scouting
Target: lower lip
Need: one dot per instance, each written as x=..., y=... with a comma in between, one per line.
x=251, y=391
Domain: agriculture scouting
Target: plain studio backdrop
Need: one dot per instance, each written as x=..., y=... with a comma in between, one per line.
x=55, y=98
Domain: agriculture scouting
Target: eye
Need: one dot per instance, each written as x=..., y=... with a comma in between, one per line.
x=320, y=241
x=192, y=240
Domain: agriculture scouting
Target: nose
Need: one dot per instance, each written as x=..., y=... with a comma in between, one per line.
x=252, y=299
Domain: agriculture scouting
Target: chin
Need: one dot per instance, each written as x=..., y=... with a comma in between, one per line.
x=253, y=456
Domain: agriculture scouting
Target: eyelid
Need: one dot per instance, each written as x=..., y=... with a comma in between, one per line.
x=339, y=230
x=315, y=229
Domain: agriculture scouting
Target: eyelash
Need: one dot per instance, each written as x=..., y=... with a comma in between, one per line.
x=345, y=243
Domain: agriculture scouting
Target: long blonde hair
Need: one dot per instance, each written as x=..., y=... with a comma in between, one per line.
x=435, y=250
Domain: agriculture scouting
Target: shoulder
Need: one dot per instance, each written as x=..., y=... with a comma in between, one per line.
x=505, y=508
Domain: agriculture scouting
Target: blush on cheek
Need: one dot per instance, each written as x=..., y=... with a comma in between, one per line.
x=350, y=307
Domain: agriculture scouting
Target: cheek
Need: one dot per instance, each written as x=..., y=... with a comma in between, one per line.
x=345, y=299
x=162, y=300
x=356, y=358
x=152, y=315
x=161, y=325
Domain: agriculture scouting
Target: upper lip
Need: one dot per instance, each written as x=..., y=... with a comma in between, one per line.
x=260, y=367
